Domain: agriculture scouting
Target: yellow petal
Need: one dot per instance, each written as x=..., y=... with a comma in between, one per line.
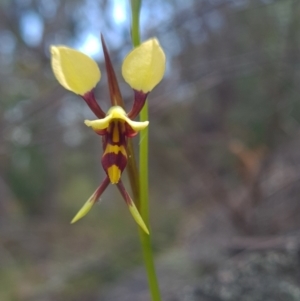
x=137, y=217
x=74, y=70
x=144, y=66
x=98, y=124
x=118, y=113
x=137, y=125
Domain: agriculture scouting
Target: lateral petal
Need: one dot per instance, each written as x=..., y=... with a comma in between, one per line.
x=91, y=201
x=137, y=217
x=132, y=208
x=83, y=211
x=98, y=124
x=137, y=125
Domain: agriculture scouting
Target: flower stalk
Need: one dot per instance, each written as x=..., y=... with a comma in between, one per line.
x=142, y=186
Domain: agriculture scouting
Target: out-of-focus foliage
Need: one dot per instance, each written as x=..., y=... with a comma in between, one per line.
x=224, y=127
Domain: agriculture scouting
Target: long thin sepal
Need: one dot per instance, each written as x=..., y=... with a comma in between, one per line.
x=132, y=208
x=114, y=90
x=91, y=201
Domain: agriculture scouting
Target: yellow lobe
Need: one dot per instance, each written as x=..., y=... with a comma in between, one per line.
x=115, y=149
x=85, y=209
x=98, y=124
x=74, y=70
x=137, y=217
x=114, y=174
x=144, y=66
x=137, y=125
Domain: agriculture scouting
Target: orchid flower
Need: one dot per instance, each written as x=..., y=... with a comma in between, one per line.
x=143, y=68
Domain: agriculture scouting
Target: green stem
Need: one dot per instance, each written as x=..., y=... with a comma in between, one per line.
x=144, y=210
x=135, y=21
x=142, y=185
x=143, y=175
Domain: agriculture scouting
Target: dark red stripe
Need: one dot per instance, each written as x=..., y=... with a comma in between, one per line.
x=109, y=135
x=114, y=159
x=114, y=90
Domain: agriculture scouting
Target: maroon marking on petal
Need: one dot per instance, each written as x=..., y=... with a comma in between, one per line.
x=129, y=131
x=104, y=142
x=114, y=90
x=110, y=159
x=100, y=132
x=139, y=101
x=110, y=131
x=101, y=188
x=114, y=143
x=89, y=98
x=124, y=193
x=122, y=131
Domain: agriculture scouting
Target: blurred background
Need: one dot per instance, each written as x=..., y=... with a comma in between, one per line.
x=224, y=154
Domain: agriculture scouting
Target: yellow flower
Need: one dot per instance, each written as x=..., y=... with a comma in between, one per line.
x=142, y=69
